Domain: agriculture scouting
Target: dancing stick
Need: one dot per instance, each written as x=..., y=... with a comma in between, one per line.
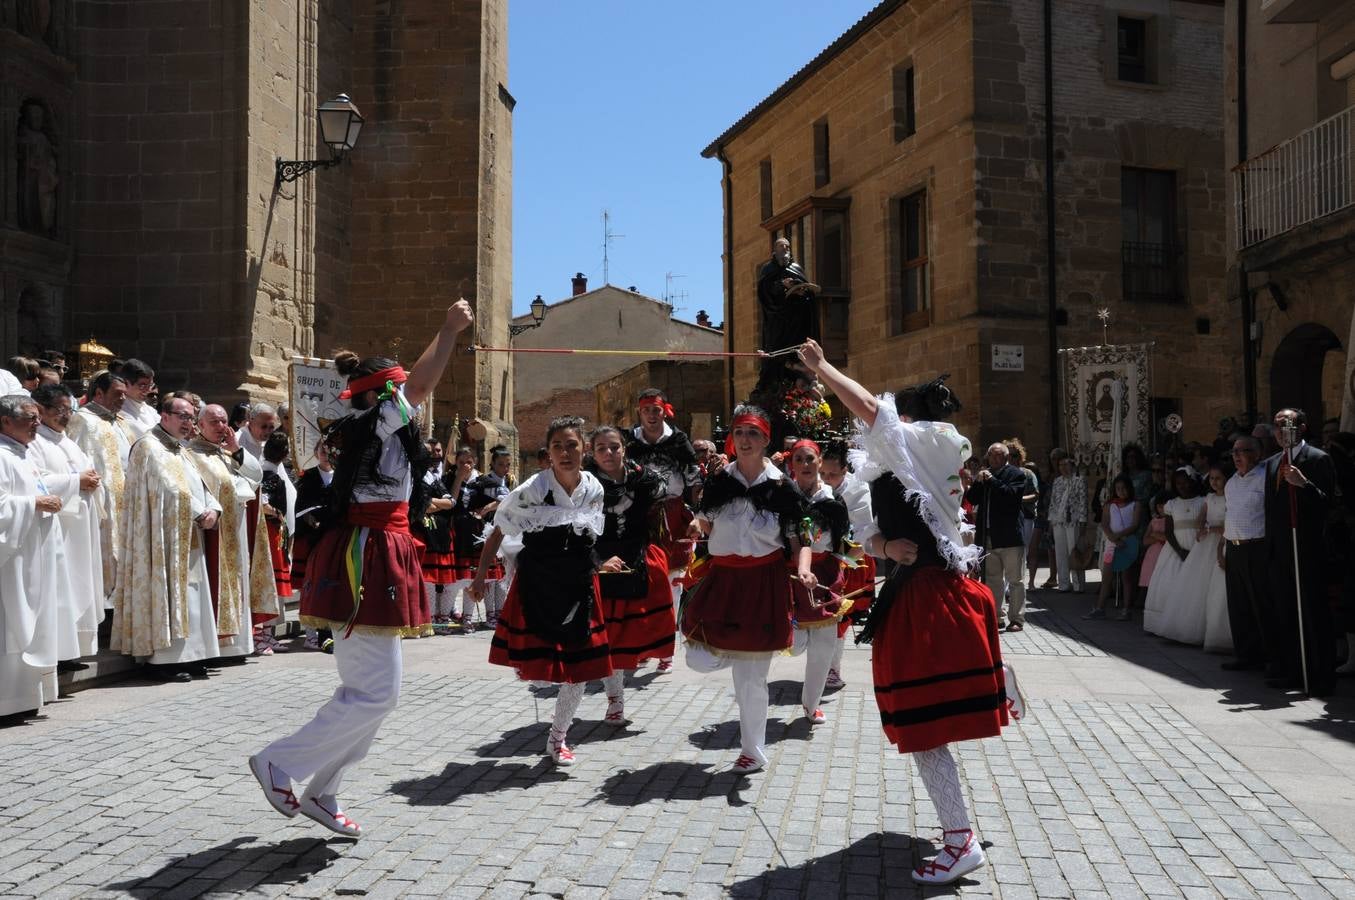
x=758, y=354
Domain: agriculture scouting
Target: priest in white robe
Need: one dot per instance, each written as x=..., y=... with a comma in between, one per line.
x=30, y=561
x=105, y=438
x=162, y=605
x=69, y=474
x=139, y=415
x=242, y=581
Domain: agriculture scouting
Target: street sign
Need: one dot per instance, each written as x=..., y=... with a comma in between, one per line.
x=1009, y=357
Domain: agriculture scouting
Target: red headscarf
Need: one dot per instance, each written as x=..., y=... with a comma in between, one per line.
x=661, y=404
x=374, y=382
x=757, y=422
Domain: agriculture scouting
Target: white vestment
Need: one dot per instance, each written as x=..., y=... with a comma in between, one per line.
x=104, y=438
x=81, y=608
x=162, y=605
x=30, y=565
x=140, y=418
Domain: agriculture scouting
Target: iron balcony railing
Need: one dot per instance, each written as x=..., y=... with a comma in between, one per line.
x=1305, y=178
x=1151, y=272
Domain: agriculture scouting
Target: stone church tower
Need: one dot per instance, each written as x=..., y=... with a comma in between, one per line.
x=138, y=149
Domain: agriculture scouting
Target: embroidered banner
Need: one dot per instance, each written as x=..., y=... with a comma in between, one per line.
x=314, y=388
x=1089, y=376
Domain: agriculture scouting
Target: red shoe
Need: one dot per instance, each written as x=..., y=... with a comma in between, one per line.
x=557, y=748
x=746, y=765
x=816, y=717
x=665, y=666
x=616, y=713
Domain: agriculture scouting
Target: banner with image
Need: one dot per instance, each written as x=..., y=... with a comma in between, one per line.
x=1107, y=403
x=314, y=387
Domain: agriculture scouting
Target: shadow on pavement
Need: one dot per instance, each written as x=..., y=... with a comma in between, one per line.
x=725, y=735
x=670, y=781
x=235, y=867
x=877, y=866
x=464, y=779
x=530, y=740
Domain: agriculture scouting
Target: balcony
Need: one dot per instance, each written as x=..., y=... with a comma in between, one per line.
x=1291, y=12
x=1296, y=182
x=1151, y=273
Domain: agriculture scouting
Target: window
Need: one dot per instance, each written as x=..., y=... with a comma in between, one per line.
x=764, y=187
x=819, y=232
x=822, y=174
x=905, y=113
x=912, y=310
x=1150, y=254
x=1132, y=49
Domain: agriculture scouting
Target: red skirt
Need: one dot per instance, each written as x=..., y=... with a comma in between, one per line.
x=535, y=659
x=938, y=664
x=391, y=597
x=466, y=567
x=301, y=551
x=282, y=570
x=640, y=628
x=742, y=607
x=439, y=568
x=809, y=614
x=861, y=578
x=675, y=544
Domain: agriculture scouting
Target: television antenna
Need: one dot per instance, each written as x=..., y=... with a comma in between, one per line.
x=607, y=237
x=670, y=296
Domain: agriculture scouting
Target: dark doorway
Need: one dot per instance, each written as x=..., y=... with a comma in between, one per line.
x=1296, y=369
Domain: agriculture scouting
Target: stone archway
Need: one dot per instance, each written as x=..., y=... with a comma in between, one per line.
x=1296, y=370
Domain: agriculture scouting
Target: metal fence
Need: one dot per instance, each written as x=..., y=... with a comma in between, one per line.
x=1151, y=272
x=1305, y=178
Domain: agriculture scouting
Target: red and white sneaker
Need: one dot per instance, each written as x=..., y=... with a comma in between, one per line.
x=746, y=765
x=816, y=717
x=834, y=680
x=616, y=711
x=665, y=666
x=1016, y=701
x=280, y=798
x=557, y=748
x=326, y=811
x=953, y=862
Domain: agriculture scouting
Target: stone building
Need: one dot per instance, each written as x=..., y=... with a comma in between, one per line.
x=1290, y=120
x=605, y=318
x=908, y=165
x=138, y=145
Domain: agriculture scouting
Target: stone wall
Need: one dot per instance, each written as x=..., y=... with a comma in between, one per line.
x=695, y=389
x=531, y=419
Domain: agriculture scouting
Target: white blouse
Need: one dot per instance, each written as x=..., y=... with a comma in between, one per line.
x=393, y=464
x=525, y=508
x=823, y=540
x=740, y=529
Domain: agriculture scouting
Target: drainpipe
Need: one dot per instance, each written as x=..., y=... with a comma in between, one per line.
x=1244, y=290
x=1050, y=237
x=729, y=273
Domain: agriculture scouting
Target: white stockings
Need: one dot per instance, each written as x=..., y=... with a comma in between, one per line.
x=942, y=780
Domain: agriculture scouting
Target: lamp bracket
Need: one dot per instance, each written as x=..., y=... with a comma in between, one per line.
x=519, y=329
x=291, y=169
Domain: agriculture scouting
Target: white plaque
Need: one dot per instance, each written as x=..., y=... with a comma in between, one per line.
x=1009, y=357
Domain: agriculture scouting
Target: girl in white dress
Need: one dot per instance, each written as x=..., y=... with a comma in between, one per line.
x=1161, y=612
x=1202, y=577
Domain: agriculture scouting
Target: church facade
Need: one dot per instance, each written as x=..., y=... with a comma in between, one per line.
x=140, y=204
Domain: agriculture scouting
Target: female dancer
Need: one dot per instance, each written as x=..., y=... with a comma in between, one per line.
x=552, y=627
x=636, y=596
x=364, y=580
x=818, y=611
x=739, y=615
x=837, y=473
x=483, y=497
x=939, y=676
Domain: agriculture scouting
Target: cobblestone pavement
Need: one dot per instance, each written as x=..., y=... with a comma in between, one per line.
x=141, y=791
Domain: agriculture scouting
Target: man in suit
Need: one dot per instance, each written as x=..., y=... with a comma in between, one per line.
x=1311, y=480
x=996, y=493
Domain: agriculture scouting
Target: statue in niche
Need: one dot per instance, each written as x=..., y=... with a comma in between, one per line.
x=37, y=171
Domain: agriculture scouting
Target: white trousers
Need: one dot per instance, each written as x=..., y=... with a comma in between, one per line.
x=837, y=654
x=343, y=730
x=819, y=646
x=1065, y=538
x=750, y=692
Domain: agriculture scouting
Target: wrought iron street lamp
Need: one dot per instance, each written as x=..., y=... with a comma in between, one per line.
x=340, y=125
x=538, y=308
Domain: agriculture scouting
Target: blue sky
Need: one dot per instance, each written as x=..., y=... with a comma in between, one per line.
x=615, y=101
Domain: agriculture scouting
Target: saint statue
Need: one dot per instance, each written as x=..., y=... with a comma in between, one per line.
x=37, y=171
x=790, y=311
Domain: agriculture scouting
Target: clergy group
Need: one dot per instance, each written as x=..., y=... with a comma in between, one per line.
x=139, y=516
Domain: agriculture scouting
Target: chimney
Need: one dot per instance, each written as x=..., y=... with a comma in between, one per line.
x=702, y=318
x=580, y=282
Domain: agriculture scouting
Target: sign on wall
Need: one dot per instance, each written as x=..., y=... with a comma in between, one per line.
x=313, y=390
x=1009, y=357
